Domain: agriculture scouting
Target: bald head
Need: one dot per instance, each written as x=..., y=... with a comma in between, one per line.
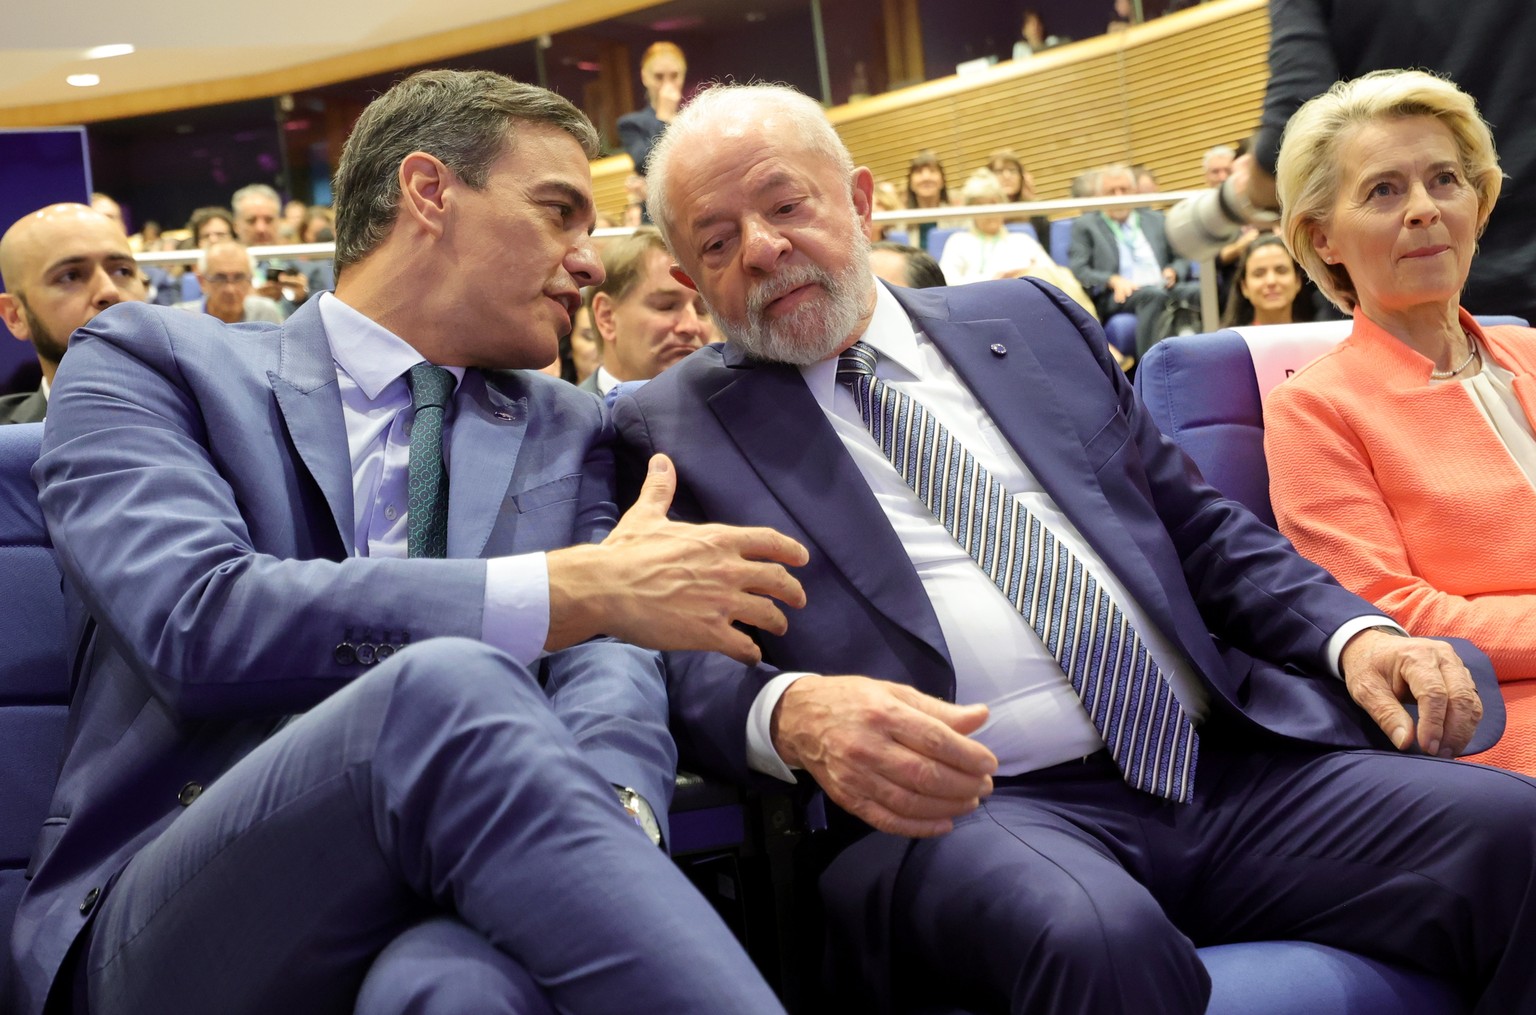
x=62, y=266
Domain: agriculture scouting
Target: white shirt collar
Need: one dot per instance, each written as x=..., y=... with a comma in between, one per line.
x=371, y=354
x=890, y=334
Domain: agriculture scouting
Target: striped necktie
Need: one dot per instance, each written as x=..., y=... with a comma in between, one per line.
x=1129, y=699
x=427, y=479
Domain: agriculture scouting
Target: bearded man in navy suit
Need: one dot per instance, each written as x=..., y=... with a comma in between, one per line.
x=335, y=746
x=1021, y=857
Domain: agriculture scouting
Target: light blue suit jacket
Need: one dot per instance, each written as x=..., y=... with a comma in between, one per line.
x=196, y=482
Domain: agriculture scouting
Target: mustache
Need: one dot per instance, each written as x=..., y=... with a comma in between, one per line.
x=786, y=280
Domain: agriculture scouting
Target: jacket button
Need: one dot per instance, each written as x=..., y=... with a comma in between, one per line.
x=345, y=654
x=90, y=900
x=367, y=653
x=190, y=792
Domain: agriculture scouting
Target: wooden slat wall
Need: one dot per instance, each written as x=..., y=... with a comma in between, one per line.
x=1161, y=94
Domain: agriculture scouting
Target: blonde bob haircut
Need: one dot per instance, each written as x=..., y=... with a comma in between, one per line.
x=1308, y=176
x=659, y=49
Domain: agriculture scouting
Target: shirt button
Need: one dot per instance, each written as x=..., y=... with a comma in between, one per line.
x=89, y=902
x=390, y=512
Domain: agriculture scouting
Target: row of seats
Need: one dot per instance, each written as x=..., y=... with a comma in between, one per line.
x=710, y=826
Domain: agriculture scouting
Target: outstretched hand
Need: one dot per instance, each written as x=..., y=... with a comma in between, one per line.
x=1383, y=670
x=889, y=754
x=665, y=584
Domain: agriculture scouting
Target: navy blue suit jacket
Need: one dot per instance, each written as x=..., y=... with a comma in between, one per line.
x=752, y=447
x=196, y=482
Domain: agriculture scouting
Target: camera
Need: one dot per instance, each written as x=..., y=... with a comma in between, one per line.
x=1201, y=225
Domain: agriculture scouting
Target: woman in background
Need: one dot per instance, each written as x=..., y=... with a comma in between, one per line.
x=926, y=188
x=1266, y=287
x=662, y=70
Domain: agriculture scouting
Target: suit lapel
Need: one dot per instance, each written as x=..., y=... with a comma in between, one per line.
x=787, y=441
x=489, y=425
x=309, y=398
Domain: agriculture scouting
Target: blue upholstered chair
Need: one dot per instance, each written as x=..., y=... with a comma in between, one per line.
x=1204, y=392
x=34, y=682
x=938, y=236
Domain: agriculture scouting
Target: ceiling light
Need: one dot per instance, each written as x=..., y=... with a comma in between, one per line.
x=112, y=49
x=84, y=80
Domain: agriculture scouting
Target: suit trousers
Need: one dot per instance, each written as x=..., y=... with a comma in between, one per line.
x=1068, y=891
x=435, y=799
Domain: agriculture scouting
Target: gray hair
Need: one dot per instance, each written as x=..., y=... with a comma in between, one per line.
x=699, y=123
x=202, y=255
x=254, y=190
x=464, y=118
x=1217, y=152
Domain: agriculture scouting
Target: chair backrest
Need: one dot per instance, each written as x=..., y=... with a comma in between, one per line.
x=1206, y=392
x=1061, y=239
x=938, y=236
x=1026, y=228
x=34, y=680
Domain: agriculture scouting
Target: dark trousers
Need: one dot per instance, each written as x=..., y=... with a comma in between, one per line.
x=1148, y=304
x=1067, y=891
x=434, y=830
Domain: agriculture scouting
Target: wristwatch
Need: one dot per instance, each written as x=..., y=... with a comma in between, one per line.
x=636, y=807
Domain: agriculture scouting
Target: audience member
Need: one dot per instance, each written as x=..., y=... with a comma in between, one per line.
x=312, y=767
x=1122, y=258
x=256, y=208
x=1029, y=856
x=988, y=250
x=646, y=320
x=887, y=198
x=585, y=344
x=1018, y=186
x=1216, y=164
x=1404, y=459
x=927, y=187
x=904, y=265
x=1146, y=179
x=319, y=226
x=1032, y=36
x=61, y=266
x=225, y=270
x=108, y=207
x=1124, y=17
x=1266, y=286
x=662, y=72
x=292, y=226
x=1084, y=184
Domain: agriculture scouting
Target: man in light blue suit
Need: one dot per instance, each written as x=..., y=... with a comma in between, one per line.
x=1006, y=848
x=310, y=765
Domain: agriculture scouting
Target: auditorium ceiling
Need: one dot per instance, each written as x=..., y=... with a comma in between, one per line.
x=194, y=51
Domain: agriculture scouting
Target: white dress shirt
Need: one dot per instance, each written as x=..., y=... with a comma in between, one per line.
x=371, y=367
x=1036, y=718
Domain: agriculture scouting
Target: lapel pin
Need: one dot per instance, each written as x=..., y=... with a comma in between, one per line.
x=999, y=349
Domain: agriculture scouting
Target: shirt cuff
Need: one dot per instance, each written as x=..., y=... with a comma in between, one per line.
x=516, y=618
x=761, y=756
x=1335, y=650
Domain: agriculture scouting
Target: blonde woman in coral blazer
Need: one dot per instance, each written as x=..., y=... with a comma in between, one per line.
x=1404, y=460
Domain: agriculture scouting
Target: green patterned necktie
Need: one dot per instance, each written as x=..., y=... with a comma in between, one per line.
x=427, y=510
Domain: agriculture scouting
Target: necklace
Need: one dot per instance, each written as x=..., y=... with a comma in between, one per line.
x=1445, y=375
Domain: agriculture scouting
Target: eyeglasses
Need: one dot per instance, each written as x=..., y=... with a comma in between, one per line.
x=227, y=279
